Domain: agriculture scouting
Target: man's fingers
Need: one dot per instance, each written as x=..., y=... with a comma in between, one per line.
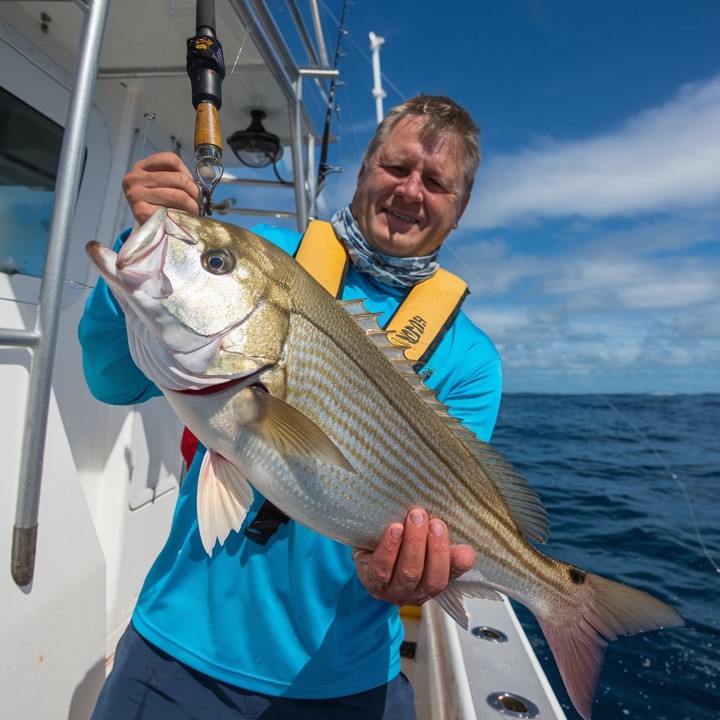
x=422, y=567
x=462, y=559
x=376, y=568
x=411, y=560
x=160, y=181
x=436, y=573
x=168, y=161
x=158, y=184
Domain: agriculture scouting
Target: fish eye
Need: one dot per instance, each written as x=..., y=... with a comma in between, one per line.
x=218, y=261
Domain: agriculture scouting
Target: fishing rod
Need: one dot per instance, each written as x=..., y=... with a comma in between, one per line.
x=323, y=168
x=206, y=69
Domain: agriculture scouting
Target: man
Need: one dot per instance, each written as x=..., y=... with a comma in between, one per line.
x=303, y=627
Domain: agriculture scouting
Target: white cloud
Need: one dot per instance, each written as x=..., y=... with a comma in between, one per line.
x=598, y=306
x=685, y=291
x=528, y=339
x=607, y=282
x=594, y=264
x=662, y=159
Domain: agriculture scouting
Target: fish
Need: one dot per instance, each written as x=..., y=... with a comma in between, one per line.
x=304, y=398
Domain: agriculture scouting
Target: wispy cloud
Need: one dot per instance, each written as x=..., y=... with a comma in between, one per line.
x=662, y=159
x=576, y=306
x=594, y=264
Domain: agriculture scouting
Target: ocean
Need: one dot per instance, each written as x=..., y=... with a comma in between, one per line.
x=632, y=487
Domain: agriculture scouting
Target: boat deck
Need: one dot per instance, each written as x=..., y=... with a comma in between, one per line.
x=488, y=673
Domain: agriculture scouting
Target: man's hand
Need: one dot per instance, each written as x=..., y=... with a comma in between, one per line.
x=161, y=180
x=414, y=562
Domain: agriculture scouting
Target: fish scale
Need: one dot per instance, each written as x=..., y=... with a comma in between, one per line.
x=307, y=399
x=382, y=427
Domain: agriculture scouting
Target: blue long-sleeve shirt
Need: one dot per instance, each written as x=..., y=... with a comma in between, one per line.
x=289, y=618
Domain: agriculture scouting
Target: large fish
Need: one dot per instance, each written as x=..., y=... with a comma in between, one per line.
x=305, y=398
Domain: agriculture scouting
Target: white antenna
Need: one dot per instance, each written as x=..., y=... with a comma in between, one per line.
x=378, y=92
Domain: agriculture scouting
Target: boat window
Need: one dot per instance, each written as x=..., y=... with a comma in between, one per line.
x=30, y=146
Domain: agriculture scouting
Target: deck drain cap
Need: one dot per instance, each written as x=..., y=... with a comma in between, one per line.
x=513, y=706
x=490, y=634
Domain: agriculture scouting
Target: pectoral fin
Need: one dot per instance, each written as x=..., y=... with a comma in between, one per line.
x=293, y=434
x=223, y=499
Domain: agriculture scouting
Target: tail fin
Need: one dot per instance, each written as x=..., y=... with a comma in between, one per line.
x=605, y=610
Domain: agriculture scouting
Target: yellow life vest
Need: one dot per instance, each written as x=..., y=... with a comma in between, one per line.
x=422, y=318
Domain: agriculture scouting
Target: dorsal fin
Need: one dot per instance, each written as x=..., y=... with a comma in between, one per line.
x=368, y=322
x=522, y=501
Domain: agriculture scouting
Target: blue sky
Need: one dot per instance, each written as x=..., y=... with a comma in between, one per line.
x=592, y=240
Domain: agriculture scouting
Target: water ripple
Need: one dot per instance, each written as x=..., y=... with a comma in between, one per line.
x=614, y=473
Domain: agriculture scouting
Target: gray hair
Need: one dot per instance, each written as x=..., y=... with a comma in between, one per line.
x=442, y=118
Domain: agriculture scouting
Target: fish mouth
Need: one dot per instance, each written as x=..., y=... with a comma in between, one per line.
x=173, y=355
x=142, y=257
x=146, y=238
x=142, y=242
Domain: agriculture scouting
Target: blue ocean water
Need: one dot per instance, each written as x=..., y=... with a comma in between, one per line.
x=615, y=473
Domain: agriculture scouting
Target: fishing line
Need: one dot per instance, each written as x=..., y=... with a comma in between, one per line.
x=366, y=56
x=323, y=168
x=18, y=302
x=672, y=475
x=467, y=268
x=31, y=270
x=176, y=139
x=67, y=282
x=248, y=30
x=150, y=115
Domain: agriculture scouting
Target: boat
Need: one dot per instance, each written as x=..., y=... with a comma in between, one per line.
x=88, y=88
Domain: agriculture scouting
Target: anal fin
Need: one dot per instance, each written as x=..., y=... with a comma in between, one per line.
x=451, y=599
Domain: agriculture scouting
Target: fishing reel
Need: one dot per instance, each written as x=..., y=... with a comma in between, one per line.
x=206, y=69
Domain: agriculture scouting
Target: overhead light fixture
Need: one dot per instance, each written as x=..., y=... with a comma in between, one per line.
x=255, y=146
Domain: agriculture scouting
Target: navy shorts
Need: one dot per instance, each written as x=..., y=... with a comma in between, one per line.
x=148, y=684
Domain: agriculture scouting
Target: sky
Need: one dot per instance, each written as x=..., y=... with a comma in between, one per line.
x=591, y=243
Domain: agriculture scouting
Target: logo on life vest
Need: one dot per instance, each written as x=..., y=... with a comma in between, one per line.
x=411, y=334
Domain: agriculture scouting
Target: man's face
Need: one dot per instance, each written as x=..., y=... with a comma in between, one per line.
x=409, y=195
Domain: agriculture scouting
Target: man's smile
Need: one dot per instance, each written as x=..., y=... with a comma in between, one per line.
x=399, y=215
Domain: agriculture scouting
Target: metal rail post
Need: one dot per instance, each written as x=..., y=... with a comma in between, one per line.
x=44, y=338
x=296, y=146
